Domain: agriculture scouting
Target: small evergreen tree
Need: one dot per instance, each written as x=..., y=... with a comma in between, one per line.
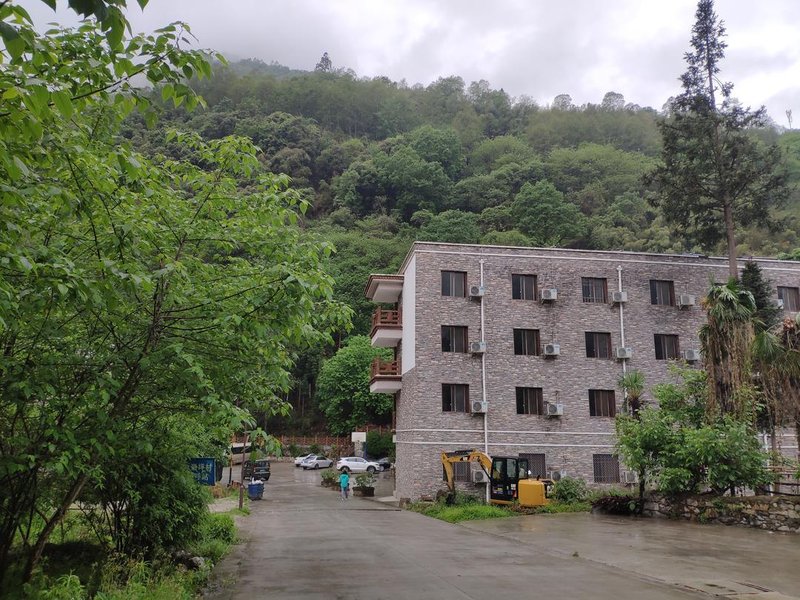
x=767, y=313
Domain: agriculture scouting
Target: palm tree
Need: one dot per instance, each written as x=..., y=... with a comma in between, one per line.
x=632, y=384
x=727, y=339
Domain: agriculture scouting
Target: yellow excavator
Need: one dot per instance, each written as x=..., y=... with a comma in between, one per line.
x=508, y=477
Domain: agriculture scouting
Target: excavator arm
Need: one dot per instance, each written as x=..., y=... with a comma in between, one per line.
x=450, y=458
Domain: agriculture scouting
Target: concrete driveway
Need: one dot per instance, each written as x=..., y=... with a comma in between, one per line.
x=301, y=542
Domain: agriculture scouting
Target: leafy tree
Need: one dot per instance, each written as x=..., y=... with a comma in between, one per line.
x=380, y=444
x=132, y=289
x=709, y=155
x=440, y=146
x=325, y=65
x=562, y=102
x=541, y=212
x=613, y=101
x=767, y=313
x=343, y=387
x=452, y=226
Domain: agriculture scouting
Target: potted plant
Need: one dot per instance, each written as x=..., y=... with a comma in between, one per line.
x=329, y=478
x=365, y=485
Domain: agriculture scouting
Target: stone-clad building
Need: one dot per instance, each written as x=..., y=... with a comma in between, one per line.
x=518, y=351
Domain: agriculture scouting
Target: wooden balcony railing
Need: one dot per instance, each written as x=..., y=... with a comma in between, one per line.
x=386, y=318
x=385, y=368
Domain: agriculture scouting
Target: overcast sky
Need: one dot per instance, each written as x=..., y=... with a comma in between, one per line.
x=540, y=49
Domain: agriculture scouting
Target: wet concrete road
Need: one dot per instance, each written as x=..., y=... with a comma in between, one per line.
x=302, y=542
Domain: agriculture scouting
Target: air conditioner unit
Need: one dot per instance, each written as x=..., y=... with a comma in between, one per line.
x=552, y=349
x=555, y=475
x=630, y=477
x=477, y=291
x=479, y=476
x=478, y=407
x=779, y=303
x=554, y=410
x=691, y=355
x=549, y=295
x=477, y=347
x=619, y=297
x=622, y=353
x=685, y=300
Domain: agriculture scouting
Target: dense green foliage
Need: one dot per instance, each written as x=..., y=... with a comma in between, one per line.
x=379, y=444
x=570, y=489
x=343, y=387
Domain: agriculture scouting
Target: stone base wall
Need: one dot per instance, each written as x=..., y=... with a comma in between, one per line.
x=774, y=513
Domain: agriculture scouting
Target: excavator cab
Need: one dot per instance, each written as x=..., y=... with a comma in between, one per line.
x=507, y=471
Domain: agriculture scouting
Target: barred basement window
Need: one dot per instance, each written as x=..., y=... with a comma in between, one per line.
x=666, y=346
x=602, y=403
x=606, y=468
x=454, y=338
x=536, y=464
x=461, y=472
x=790, y=297
x=662, y=292
x=595, y=289
x=454, y=283
x=455, y=397
x=526, y=341
x=523, y=287
x=598, y=344
x=530, y=401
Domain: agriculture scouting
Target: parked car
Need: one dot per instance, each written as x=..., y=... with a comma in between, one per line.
x=256, y=469
x=356, y=464
x=316, y=461
x=385, y=463
x=299, y=459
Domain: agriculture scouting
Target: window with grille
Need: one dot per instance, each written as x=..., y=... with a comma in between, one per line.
x=455, y=397
x=526, y=341
x=454, y=283
x=595, y=289
x=536, y=465
x=523, y=287
x=598, y=344
x=461, y=472
x=790, y=297
x=606, y=468
x=454, y=338
x=530, y=401
x=602, y=403
x=662, y=292
x=666, y=346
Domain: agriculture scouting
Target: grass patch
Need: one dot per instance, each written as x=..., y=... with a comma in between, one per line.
x=466, y=512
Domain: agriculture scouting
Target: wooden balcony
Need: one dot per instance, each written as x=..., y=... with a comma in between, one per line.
x=385, y=377
x=387, y=328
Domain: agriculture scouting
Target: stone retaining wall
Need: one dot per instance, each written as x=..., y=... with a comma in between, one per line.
x=774, y=513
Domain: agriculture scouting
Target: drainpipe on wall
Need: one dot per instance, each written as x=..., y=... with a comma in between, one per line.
x=483, y=379
x=622, y=323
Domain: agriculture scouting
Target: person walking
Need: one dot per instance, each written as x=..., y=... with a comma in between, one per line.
x=344, y=484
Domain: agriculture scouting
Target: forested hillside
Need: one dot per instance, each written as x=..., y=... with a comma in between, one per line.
x=385, y=163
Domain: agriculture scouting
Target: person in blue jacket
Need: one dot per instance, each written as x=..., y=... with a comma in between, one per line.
x=344, y=483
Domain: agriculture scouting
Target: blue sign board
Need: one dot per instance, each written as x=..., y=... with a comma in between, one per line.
x=204, y=470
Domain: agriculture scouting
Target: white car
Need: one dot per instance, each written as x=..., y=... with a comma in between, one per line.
x=299, y=459
x=316, y=461
x=356, y=464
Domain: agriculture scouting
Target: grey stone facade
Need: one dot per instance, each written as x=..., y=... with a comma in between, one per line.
x=568, y=442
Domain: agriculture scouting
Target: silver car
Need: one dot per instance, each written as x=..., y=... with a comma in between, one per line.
x=356, y=464
x=299, y=460
x=316, y=461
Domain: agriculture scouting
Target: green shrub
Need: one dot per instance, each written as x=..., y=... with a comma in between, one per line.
x=570, y=489
x=466, y=512
x=213, y=550
x=218, y=526
x=328, y=475
x=315, y=449
x=380, y=444
x=293, y=450
x=66, y=587
x=365, y=480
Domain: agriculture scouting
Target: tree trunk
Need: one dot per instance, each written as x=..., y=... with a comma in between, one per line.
x=730, y=233
x=38, y=548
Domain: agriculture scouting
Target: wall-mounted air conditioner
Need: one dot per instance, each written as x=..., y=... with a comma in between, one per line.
x=554, y=410
x=630, y=477
x=549, y=295
x=685, y=300
x=477, y=347
x=478, y=407
x=479, y=476
x=691, y=355
x=551, y=349
x=476, y=291
x=623, y=353
x=556, y=475
x=619, y=297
